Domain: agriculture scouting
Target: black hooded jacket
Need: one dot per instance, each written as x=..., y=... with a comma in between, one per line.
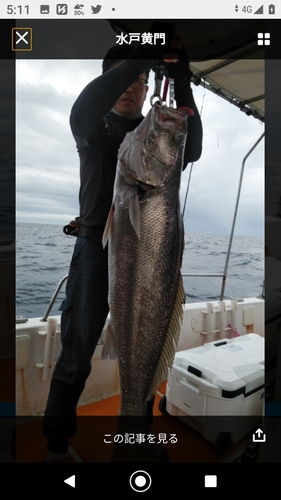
x=98, y=133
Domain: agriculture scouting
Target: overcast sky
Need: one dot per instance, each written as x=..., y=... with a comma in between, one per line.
x=47, y=178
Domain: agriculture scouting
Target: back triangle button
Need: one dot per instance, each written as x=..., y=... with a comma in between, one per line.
x=70, y=481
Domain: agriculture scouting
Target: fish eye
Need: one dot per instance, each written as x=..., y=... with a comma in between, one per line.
x=179, y=138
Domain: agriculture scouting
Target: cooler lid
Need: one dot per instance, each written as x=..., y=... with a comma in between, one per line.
x=232, y=364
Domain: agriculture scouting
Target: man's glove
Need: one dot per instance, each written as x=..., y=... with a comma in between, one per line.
x=152, y=55
x=180, y=69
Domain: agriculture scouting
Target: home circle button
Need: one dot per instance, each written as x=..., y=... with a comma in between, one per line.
x=140, y=481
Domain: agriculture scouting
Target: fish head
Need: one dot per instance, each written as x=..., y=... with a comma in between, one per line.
x=151, y=153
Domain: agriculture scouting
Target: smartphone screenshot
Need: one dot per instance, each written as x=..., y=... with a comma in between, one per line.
x=140, y=209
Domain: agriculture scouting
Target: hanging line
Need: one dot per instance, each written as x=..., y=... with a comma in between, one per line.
x=191, y=167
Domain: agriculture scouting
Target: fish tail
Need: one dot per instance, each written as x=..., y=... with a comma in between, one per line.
x=172, y=337
x=108, y=348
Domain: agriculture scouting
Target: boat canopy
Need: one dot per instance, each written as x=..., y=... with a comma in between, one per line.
x=225, y=57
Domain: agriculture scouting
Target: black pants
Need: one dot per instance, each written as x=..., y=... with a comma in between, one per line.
x=84, y=312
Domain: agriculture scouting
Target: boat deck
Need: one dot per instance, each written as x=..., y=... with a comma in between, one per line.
x=96, y=423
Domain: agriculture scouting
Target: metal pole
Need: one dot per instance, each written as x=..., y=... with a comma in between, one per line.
x=49, y=308
x=235, y=213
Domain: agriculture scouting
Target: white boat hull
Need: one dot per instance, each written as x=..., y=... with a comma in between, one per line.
x=38, y=346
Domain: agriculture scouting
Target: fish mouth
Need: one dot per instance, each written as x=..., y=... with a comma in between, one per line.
x=170, y=116
x=185, y=110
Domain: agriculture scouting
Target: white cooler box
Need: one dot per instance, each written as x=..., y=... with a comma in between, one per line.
x=221, y=379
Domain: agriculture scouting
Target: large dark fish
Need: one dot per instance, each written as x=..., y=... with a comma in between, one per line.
x=145, y=233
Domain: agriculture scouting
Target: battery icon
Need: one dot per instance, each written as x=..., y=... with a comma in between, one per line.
x=271, y=9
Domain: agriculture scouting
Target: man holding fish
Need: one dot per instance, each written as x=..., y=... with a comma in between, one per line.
x=106, y=110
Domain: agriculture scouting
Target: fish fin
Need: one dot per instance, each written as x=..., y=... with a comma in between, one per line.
x=172, y=337
x=134, y=213
x=107, y=228
x=108, y=348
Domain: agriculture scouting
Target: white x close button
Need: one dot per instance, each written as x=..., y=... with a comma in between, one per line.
x=21, y=39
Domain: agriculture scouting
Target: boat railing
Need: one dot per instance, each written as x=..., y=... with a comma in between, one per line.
x=53, y=299
x=224, y=274
x=211, y=275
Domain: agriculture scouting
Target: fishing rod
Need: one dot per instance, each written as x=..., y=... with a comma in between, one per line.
x=191, y=166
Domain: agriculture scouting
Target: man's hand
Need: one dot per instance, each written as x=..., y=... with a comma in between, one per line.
x=173, y=57
x=172, y=53
x=177, y=63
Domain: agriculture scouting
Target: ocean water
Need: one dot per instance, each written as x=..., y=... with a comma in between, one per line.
x=43, y=254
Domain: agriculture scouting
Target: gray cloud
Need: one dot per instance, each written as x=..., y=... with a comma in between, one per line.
x=48, y=165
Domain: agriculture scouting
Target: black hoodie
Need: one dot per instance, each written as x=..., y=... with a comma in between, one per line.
x=98, y=132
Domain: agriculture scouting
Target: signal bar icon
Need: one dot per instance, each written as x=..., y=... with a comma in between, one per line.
x=259, y=11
